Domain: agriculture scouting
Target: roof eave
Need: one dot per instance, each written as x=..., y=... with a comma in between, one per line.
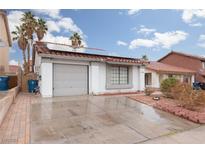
x=182, y=54
x=170, y=72
x=85, y=59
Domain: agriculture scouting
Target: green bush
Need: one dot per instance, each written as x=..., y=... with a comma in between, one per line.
x=167, y=85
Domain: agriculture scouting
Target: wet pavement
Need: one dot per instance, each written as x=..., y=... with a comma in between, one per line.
x=100, y=119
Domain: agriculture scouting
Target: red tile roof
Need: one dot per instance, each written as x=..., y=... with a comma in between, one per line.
x=183, y=54
x=165, y=68
x=42, y=49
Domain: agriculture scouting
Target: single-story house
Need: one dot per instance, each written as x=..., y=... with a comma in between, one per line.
x=64, y=73
x=156, y=72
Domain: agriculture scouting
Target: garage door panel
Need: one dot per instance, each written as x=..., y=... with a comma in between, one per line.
x=70, y=80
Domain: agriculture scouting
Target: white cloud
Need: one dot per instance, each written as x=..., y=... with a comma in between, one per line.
x=190, y=16
x=49, y=37
x=168, y=39
x=198, y=24
x=164, y=40
x=13, y=62
x=53, y=26
x=202, y=45
x=69, y=25
x=14, y=19
x=142, y=43
x=61, y=24
x=133, y=11
x=122, y=43
x=201, y=41
x=52, y=13
x=187, y=15
x=202, y=37
x=144, y=30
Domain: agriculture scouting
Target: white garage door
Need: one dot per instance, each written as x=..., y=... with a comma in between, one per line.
x=70, y=80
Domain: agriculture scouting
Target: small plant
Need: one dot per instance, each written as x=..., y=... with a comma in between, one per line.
x=167, y=85
x=149, y=91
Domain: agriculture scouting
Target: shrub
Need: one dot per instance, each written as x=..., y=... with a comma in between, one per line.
x=187, y=97
x=149, y=91
x=167, y=85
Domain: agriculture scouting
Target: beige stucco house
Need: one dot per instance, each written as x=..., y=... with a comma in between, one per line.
x=5, y=42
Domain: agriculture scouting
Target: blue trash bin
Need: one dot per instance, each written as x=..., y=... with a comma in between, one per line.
x=32, y=84
x=4, y=83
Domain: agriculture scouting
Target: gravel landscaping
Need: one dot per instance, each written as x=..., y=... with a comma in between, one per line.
x=170, y=105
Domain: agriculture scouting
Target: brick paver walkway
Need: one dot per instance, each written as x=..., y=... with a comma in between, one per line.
x=16, y=125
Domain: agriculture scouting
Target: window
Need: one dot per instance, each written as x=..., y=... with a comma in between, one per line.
x=203, y=65
x=170, y=75
x=119, y=75
x=186, y=79
x=148, y=79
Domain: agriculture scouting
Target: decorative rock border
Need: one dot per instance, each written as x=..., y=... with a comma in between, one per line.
x=194, y=116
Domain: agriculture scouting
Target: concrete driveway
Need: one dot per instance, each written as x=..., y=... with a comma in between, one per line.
x=100, y=119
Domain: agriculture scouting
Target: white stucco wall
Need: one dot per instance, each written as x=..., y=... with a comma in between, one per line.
x=94, y=74
x=141, y=78
x=46, y=82
x=98, y=79
x=192, y=79
x=155, y=79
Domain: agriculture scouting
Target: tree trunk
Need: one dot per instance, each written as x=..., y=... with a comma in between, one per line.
x=28, y=61
x=24, y=57
x=25, y=63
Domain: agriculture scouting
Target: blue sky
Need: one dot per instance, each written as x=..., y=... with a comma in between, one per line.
x=130, y=33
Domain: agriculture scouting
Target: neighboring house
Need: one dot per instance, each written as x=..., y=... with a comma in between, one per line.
x=156, y=72
x=5, y=42
x=64, y=73
x=14, y=69
x=192, y=62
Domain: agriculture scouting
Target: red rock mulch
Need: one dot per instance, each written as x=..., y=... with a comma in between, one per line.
x=170, y=106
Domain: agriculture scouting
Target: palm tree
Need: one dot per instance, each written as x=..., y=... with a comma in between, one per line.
x=24, y=35
x=41, y=29
x=22, y=41
x=76, y=40
x=29, y=24
x=144, y=57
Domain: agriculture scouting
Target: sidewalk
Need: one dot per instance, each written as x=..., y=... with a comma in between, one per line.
x=193, y=136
